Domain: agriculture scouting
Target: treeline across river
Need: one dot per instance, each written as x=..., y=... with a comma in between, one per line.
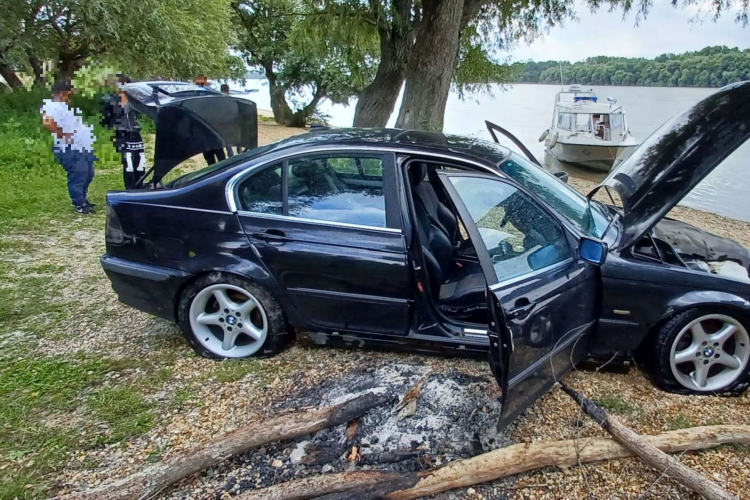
x=709, y=67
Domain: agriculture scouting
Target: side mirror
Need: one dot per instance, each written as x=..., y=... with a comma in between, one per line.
x=593, y=251
x=563, y=176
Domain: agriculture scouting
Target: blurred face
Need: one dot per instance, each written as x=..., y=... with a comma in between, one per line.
x=63, y=96
x=201, y=80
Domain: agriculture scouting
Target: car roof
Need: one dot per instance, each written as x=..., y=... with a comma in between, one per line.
x=397, y=139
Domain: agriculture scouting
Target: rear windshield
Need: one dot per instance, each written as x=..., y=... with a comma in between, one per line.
x=207, y=171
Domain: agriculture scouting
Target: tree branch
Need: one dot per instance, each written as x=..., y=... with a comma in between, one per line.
x=648, y=452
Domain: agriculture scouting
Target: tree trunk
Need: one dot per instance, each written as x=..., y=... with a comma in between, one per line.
x=376, y=102
x=649, y=453
x=431, y=66
x=67, y=65
x=10, y=76
x=37, y=66
x=153, y=479
x=282, y=112
x=491, y=466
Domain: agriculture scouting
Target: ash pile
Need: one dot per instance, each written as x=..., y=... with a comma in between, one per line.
x=434, y=418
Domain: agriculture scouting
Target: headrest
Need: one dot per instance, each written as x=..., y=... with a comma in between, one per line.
x=417, y=171
x=263, y=181
x=304, y=168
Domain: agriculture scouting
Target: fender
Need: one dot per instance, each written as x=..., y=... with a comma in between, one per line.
x=706, y=298
x=233, y=264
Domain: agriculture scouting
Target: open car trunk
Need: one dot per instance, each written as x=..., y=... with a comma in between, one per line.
x=191, y=120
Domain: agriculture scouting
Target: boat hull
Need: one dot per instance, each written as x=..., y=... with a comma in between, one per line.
x=591, y=156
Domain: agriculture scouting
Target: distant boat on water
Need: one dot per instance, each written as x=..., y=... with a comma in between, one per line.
x=587, y=132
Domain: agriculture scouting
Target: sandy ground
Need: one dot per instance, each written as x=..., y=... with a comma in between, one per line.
x=197, y=403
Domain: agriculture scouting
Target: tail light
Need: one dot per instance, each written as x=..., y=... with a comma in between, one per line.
x=113, y=231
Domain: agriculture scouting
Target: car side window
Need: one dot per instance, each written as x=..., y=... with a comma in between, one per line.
x=261, y=191
x=519, y=236
x=346, y=189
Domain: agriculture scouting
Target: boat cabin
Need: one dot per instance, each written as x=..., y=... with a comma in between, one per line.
x=580, y=112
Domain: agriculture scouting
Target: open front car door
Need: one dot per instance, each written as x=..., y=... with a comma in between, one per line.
x=543, y=285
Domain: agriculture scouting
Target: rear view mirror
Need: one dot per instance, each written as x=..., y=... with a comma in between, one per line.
x=593, y=251
x=563, y=176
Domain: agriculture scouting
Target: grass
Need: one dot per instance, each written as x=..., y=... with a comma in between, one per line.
x=51, y=406
x=679, y=421
x=232, y=370
x=615, y=404
x=34, y=390
x=124, y=411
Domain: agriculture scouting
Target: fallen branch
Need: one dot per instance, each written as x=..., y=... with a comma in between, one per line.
x=649, y=453
x=150, y=481
x=491, y=466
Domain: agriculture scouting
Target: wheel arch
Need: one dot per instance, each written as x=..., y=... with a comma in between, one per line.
x=247, y=270
x=703, y=298
x=694, y=299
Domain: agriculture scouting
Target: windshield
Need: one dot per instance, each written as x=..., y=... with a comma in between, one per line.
x=561, y=197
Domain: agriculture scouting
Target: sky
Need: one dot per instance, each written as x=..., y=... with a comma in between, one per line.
x=666, y=29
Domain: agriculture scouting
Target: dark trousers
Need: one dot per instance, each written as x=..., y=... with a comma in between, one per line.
x=214, y=155
x=79, y=167
x=133, y=155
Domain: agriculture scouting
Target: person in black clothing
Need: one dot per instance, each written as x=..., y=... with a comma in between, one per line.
x=120, y=116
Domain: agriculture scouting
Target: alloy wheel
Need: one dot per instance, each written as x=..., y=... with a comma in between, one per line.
x=710, y=353
x=228, y=321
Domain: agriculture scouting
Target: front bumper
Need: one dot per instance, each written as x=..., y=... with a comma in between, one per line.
x=151, y=289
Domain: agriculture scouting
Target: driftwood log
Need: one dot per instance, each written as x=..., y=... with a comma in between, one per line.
x=491, y=466
x=649, y=453
x=147, y=483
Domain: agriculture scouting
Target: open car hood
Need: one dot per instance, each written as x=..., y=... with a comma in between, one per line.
x=675, y=158
x=191, y=120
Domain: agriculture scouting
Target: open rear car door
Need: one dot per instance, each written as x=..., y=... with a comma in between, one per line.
x=543, y=298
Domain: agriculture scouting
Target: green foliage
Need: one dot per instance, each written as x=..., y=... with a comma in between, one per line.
x=167, y=38
x=308, y=52
x=709, y=67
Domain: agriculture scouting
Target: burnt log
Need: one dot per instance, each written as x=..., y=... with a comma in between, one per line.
x=155, y=478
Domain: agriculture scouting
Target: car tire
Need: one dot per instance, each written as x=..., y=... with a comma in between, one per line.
x=686, y=352
x=221, y=307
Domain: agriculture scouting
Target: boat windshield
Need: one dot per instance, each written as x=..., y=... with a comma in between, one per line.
x=591, y=218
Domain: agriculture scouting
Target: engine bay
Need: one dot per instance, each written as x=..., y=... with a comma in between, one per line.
x=680, y=244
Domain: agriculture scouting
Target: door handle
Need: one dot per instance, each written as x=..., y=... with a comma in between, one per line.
x=522, y=309
x=272, y=236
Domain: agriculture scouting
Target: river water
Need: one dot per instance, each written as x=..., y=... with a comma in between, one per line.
x=526, y=111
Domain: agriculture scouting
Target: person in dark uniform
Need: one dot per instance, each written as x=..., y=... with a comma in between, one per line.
x=120, y=116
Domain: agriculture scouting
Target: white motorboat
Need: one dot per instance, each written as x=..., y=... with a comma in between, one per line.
x=587, y=132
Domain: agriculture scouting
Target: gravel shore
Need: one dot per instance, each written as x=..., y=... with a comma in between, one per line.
x=454, y=417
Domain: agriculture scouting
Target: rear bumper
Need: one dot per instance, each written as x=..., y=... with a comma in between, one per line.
x=151, y=289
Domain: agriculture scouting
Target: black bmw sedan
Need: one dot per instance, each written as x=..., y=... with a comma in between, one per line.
x=443, y=244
